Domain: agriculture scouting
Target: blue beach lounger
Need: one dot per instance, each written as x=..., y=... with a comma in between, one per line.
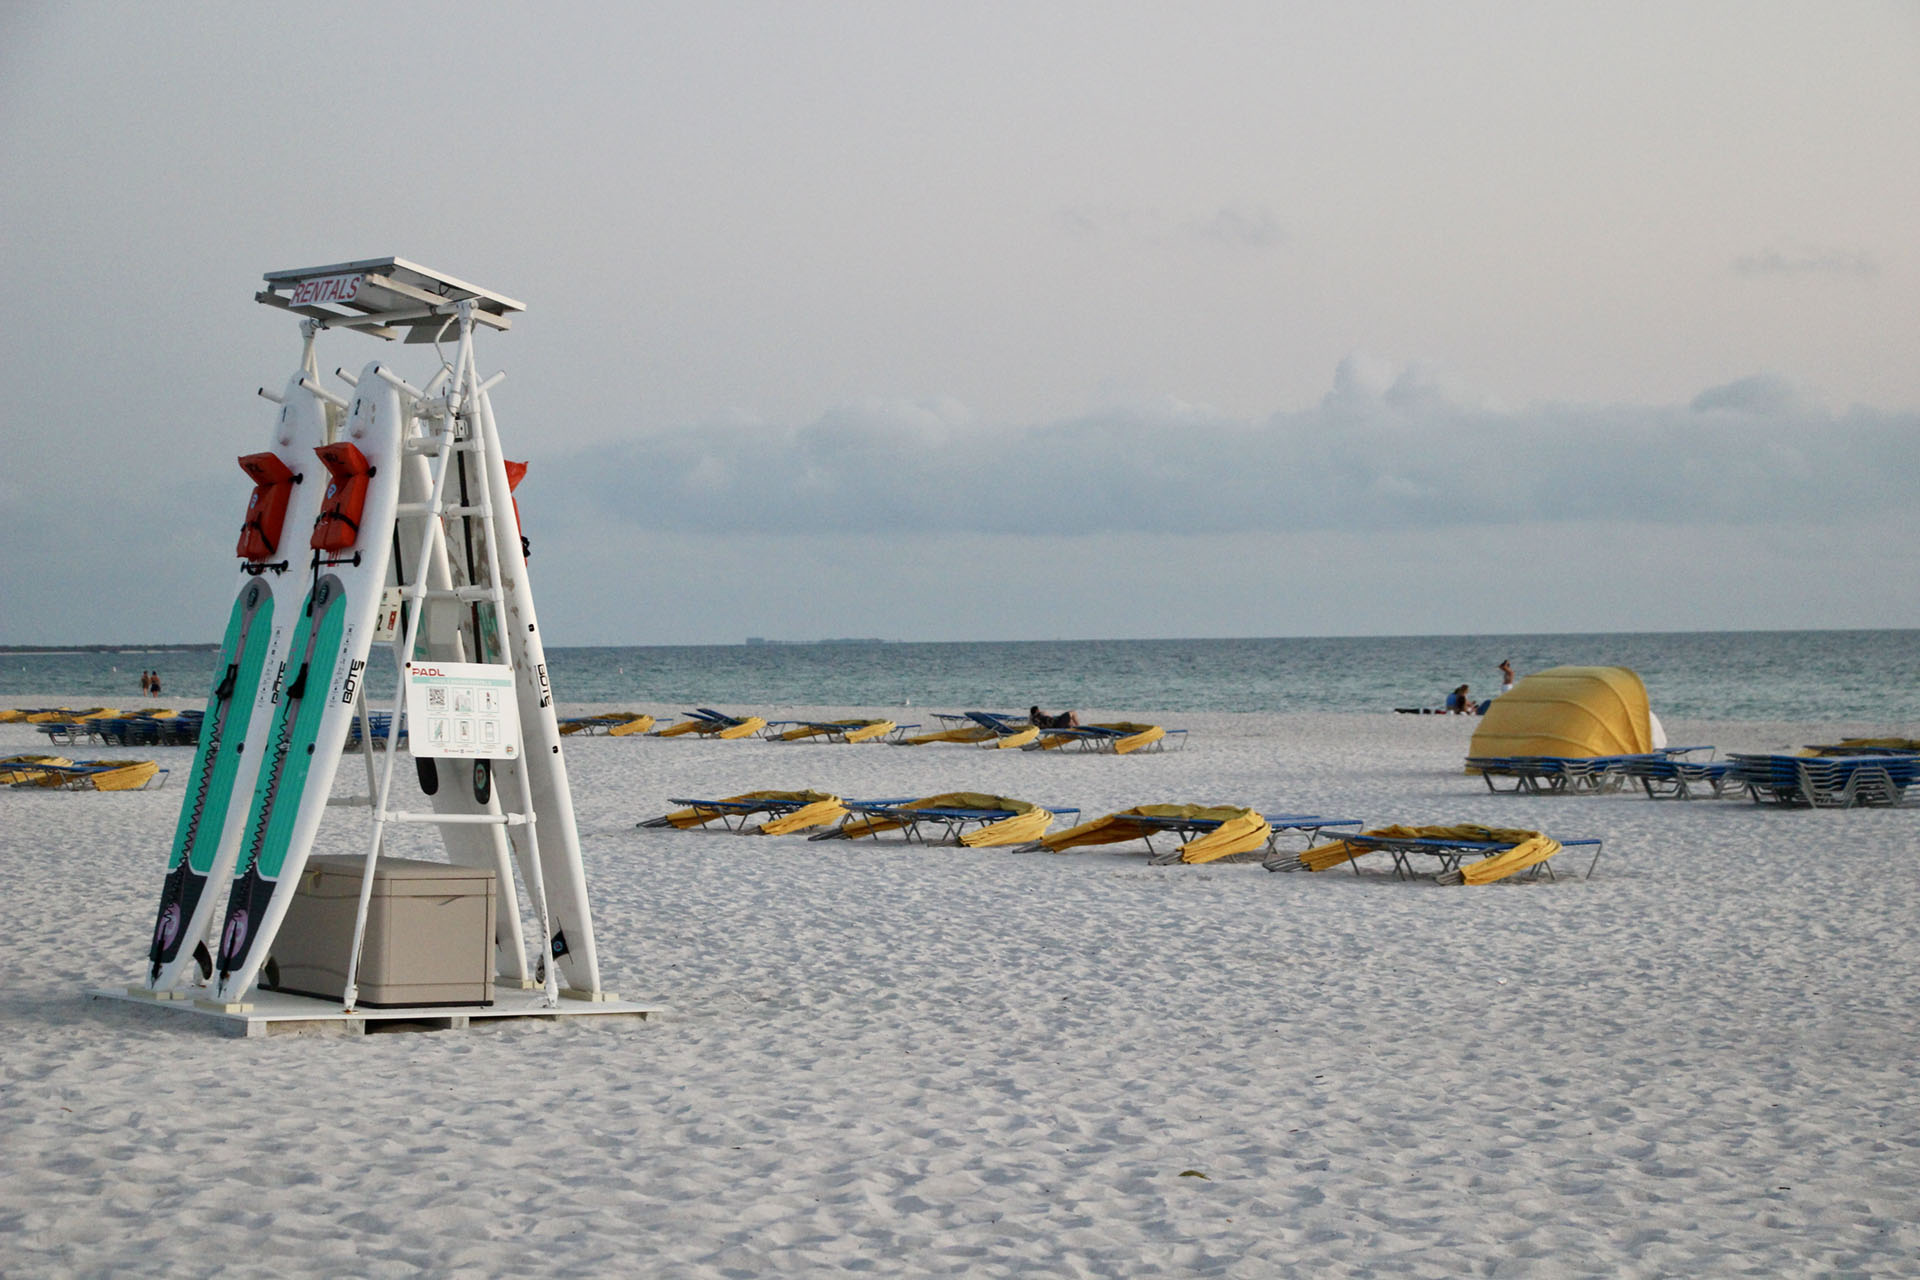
x=1826, y=782
x=1499, y=853
x=970, y=818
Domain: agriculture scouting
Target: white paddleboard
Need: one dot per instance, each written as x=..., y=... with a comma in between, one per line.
x=564, y=876
x=315, y=700
x=272, y=588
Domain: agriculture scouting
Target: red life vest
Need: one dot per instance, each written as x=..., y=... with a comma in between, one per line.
x=338, y=526
x=516, y=472
x=267, y=508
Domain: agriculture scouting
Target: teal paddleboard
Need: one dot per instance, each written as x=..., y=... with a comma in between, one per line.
x=290, y=746
x=210, y=785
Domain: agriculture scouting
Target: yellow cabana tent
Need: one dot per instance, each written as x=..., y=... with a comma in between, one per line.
x=1569, y=711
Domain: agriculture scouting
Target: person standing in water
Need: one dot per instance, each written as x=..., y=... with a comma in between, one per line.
x=1506, y=675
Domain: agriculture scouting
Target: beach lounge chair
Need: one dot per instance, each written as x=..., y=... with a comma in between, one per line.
x=1007, y=732
x=1203, y=833
x=994, y=729
x=1121, y=737
x=789, y=811
x=1671, y=777
x=971, y=733
x=616, y=724
x=958, y=728
x=381, y=725
x=1826, y=782
x=708, y=723
x=141, y=729
x=1567, y=775
x=91, y=775
x=19, y=768
x=837, y=730
x=1496, y=853
x=51, y=714
x=1551, y=775
x=64, y=732
x=1867, y=747
x=1312, y=825
x=971, y=818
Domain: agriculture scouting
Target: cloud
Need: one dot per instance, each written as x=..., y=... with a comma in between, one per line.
x=1806, y=261
x=1387, y=448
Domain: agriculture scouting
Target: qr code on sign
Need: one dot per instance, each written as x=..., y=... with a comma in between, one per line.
x=437, y=698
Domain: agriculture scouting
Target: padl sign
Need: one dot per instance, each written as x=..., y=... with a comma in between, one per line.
x=462, y=709
x=327, y=289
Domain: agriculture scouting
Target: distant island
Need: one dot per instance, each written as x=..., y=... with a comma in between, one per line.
x=109, y=648
x=756, y=640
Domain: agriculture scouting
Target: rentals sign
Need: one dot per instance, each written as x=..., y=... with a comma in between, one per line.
x=327, y=289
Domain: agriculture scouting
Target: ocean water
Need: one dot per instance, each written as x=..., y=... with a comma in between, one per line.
x=1803, y=676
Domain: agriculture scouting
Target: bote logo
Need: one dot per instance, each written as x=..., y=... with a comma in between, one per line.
x=353, y=679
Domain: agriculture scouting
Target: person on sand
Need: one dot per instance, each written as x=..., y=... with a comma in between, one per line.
x=1041, y=720
x=1458, y=703
x=1506, y=675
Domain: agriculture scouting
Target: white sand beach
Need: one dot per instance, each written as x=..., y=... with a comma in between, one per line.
x=932, y=1061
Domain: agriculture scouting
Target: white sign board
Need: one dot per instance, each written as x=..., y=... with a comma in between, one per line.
x=462, y=709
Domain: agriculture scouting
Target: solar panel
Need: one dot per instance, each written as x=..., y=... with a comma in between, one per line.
x=387, y=297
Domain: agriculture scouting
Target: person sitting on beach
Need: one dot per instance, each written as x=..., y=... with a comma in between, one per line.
x=1458, y=703
x=1041, y=720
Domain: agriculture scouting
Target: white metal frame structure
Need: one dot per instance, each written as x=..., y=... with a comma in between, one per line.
x=451, y=424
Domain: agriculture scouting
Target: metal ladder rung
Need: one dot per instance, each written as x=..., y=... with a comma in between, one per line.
x=467, y=595
x=406, y=509
x=431, y=445
x=461, y=819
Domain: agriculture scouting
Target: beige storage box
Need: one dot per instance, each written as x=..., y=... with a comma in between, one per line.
x=429, y=934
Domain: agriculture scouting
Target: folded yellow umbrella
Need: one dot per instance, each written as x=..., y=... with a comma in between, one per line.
x=1529, y=849
x=1025, y=824
x=972, y=733
x=1128, y=824
x=817, y=809
x=12, y=775
x=1241, y=834
x=1021, y=828
x=823, y=812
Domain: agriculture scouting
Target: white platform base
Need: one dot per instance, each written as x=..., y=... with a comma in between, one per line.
x=272, y=1013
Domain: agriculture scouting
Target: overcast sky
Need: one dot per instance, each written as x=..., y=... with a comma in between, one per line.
x=985, y=321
